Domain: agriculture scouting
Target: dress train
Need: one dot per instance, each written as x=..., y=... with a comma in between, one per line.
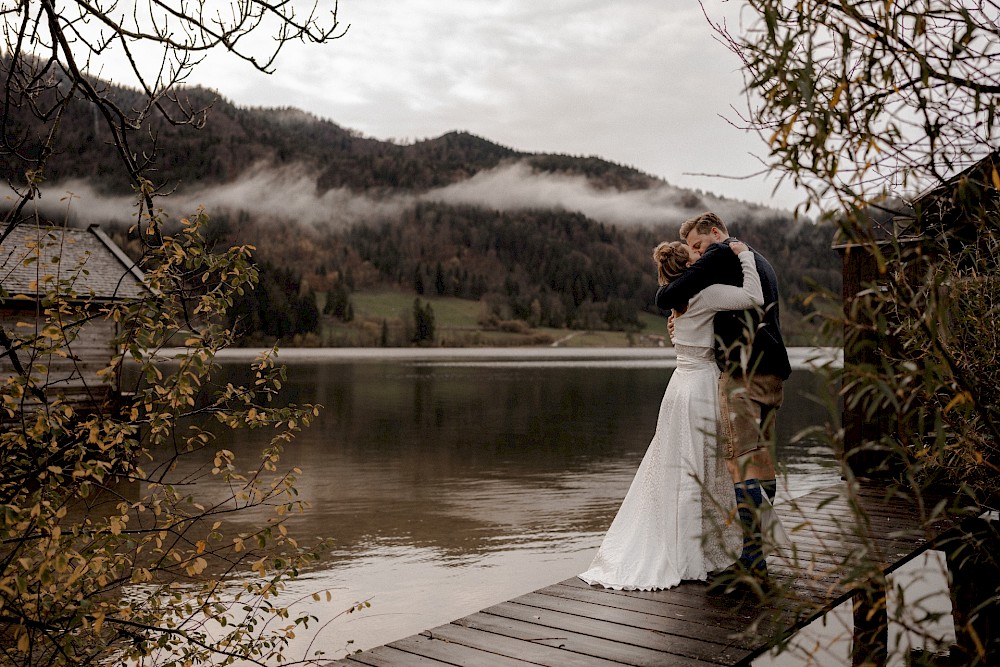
x=677, y=521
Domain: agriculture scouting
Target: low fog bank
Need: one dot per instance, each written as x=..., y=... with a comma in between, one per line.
x=276, y=194
x=289, y=193
x=516, y=186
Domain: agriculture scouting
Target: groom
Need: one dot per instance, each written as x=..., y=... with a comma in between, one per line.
x=751, y=354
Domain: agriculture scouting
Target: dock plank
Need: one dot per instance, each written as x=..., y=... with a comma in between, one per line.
x=723, y=616
x=698, y=648
x=452, y=653
x=680, y=627
x=524, y=649
x=586, y=644
x=386, y=656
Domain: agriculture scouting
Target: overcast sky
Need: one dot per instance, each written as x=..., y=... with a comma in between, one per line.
x=639, y=82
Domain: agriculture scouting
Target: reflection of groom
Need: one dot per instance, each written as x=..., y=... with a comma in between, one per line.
x=754, y=363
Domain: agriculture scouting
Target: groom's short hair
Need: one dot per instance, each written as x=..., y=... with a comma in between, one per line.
x=703, y=224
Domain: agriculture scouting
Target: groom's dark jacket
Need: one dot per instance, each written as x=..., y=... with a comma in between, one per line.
x=719, y=265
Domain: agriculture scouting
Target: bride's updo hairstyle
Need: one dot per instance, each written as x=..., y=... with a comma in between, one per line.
x=671, y=259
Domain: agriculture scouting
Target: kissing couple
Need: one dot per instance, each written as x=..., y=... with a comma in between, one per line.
x=703, y=491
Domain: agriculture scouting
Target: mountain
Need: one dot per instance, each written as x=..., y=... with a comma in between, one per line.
x=234, y=138
x=542, y=239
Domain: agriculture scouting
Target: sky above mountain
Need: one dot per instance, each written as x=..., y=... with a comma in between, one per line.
x=641, y=82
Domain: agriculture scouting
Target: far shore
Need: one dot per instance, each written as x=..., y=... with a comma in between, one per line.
x=801, y=358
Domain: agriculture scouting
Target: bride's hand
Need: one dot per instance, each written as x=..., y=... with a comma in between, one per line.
x=738, y=247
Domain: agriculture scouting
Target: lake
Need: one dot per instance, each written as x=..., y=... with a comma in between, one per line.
x=451, y=480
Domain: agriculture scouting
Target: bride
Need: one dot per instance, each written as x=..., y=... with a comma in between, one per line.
x=676, y=521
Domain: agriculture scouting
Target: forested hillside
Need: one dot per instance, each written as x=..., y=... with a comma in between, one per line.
x=580, y=260
x=541, y=267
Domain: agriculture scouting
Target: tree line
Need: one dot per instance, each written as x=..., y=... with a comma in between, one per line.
x=544, y=267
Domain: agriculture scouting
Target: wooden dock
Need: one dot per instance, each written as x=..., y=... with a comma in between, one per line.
x=574, y=624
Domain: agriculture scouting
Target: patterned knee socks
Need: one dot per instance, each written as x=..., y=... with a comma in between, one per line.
x=748, y=499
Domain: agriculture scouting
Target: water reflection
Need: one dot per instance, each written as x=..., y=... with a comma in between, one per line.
x=449, y=485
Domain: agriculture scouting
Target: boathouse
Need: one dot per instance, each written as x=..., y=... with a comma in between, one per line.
x=889, y=234
x=62, y=348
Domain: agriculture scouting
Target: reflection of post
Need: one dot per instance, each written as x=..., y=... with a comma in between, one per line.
x=871, y=626
x=975, y=592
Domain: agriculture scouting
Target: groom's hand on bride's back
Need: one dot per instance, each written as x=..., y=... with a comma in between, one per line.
x=716, y=265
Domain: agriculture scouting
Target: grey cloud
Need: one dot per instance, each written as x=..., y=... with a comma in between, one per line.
x=515, y=186
x=290, y=193
x=78, y=201
x=287, y=193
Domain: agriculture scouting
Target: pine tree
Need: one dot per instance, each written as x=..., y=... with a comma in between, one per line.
x=439, y=284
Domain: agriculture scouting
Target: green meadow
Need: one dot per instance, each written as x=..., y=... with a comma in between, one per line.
x=385, y=317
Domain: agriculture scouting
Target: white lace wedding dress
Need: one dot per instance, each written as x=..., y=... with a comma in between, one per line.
x=678, y=520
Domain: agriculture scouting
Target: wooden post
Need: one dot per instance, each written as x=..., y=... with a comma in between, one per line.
x=975, y=591
x=871, y=626
x=860, y=271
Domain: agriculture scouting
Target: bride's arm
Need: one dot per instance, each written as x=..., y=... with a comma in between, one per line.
x=727, y=297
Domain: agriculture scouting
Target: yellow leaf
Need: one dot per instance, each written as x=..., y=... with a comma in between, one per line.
x=996, y=179
x=961, y=397
x=837, y=93
x=197, y=567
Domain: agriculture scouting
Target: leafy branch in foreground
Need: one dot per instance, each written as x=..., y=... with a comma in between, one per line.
x=106, y=551
x=886, y=115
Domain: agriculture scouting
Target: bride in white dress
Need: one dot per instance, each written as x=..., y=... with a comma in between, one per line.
x=678, y=519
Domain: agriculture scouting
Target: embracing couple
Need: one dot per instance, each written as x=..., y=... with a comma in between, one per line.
x=703, y=491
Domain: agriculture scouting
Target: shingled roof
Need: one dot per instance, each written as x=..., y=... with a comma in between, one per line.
x=60, y=253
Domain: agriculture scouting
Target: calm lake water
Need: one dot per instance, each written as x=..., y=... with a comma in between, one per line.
x=452, y=480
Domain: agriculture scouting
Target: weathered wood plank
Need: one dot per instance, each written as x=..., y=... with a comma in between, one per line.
x=690, y=647
x=451, y=653
x=682, y=627
x=575, y=642
x=824, y=535
x=843, y=505
x=693, y=594
x=721, y=615
x=386, y=656
x=747, y=626
x=523, y=649
x=810, y=549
